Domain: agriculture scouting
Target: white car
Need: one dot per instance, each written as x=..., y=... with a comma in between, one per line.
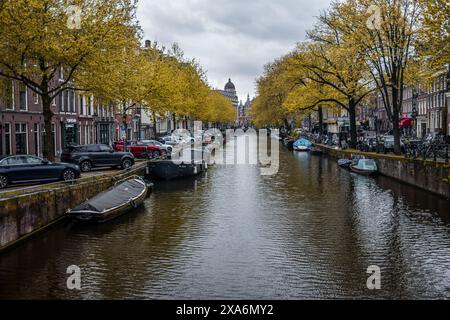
x=165, y=147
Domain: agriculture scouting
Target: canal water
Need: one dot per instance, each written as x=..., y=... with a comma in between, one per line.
x=309, y=232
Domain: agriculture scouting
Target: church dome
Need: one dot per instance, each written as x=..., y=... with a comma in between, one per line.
x=230, y=86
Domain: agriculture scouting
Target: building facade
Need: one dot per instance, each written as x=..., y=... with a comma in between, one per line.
x=243, y=112
x=231, y=94
x=78, y=119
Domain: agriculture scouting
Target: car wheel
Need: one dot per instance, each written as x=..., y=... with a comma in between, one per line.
x=127, y=164
x=156, y=154
x=3, y=182
x=68, y=175
x=86, y=166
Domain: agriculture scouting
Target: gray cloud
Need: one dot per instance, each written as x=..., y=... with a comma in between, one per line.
x=231, y=38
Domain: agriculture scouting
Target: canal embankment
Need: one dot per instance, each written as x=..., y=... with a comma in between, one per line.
x=425, y=174
x=23, y=213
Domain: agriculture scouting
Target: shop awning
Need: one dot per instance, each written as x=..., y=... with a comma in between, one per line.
x=406, y=122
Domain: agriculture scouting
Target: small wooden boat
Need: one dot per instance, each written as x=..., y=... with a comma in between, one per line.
x=365, y=167
x=120, y=199
x=345, y=163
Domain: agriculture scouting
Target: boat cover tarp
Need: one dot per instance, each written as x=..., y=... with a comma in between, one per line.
x=368, y=165
x=303, y=143
x=114, y=197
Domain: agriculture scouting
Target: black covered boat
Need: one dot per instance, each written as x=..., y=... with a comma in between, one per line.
x=118, y=200
x=169, y=170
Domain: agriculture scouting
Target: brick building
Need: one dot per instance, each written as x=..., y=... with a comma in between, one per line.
x=78, y=119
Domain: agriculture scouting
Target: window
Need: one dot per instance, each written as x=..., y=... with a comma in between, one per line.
x=23, y=102
x=72, y=102
x=61, y=74
x=93, y=148
x=7, y=139
x=33, y=160
x=9, y=94
x=35, y=98
x=104, y=148
x=21, y=138
x=61, y=102
x=67, y=101
x=89, y=106
x=14, y=161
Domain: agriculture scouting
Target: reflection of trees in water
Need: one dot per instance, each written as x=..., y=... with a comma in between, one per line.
x=317, y=226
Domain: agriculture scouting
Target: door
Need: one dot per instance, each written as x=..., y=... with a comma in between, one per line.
x=41, y=171
x=107, y=157
x=16, y=168
x=95, y=155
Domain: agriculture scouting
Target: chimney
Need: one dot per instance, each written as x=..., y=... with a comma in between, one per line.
x=148, y=43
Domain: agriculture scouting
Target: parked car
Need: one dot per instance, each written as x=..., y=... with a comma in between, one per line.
x=97, y=155
x=140, y=150
x=166, y=148
x=25, y=169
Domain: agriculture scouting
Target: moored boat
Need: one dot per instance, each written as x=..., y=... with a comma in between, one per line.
x=169, y=170
x=365, y=167
x=302, y=145
x=344, y=163
x=120, y=199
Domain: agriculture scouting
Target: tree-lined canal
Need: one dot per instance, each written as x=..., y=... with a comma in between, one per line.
x=311, y=231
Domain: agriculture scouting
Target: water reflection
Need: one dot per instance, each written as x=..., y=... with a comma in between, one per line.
x=309, y=232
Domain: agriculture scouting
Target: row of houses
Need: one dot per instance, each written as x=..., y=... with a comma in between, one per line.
x=424, y=111
x=78, y=119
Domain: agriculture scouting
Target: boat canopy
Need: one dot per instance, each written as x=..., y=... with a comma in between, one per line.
x=114, y=197
x=303, y=143
x=367, y=164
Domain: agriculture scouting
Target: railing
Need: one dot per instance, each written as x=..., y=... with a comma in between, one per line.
x=437, y=149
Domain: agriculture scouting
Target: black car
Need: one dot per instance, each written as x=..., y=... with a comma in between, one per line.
x=97, y=155
x=25, y=169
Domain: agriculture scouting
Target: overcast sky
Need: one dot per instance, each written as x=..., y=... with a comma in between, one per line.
x=231, y=38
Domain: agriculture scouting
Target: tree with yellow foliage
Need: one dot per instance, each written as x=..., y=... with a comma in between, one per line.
x=385, y=34
x=43, y=41
x=219, y=109
x=434, y=36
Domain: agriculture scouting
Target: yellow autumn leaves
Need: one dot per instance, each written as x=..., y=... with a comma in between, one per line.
x=356, y=48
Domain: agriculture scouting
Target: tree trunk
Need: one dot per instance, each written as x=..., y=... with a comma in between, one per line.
x=353, y=131
x=155, y=131
x=49, y=145
x=287, y=126
x=320, y=111
x=396, y=109
x=125, y=126
x=396, y=131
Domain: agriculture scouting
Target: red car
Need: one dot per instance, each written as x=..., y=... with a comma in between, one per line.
x=140, y=150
